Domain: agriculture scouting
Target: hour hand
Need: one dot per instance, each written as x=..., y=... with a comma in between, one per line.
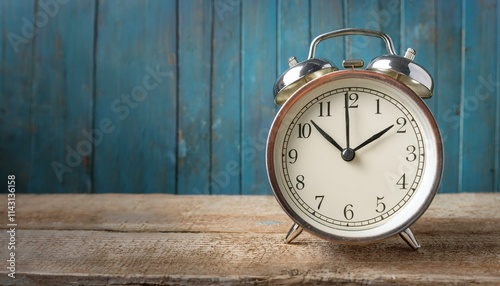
x=373, y=138
x=326, y=136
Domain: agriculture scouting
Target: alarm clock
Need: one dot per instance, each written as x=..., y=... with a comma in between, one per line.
x=354, y=155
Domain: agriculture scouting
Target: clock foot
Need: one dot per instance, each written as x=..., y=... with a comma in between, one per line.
x=409, y=238
x=294, y=231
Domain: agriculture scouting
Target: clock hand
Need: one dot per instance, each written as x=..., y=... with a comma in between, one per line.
x=346, y=106
x=326, y=136
x=373, y=138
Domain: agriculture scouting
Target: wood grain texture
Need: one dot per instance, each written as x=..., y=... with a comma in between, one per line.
x=16, y=74
x=497, y=128
x=421, y=34
x=447, y=82
x=362, y=14
x=184, y=88
x=478, y=98
x=293, y=31
x=194, y=51
x=63, y=86
x=259, y=44
x=225, y=169
x=115, y=239
x=135, y=97
x=327, y=16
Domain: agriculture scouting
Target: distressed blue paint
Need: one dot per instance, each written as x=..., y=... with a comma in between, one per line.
x=195, y=49
x=15, y=92
x=62, y=101
x=389, y=18
x=421, y=36
x=293, y=31
x=259, y=72
x=497, y=128
x=448, y=81
x=478, y=101
x=362, y=14
x=226, y=99
x=202, y=129
x=135, y=97
x=327, y=16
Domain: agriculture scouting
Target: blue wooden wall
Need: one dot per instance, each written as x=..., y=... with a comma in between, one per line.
x=165, y=96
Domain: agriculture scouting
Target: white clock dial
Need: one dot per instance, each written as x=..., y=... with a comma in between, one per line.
x=354, y=156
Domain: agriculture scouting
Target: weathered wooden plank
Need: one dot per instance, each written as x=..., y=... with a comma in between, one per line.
x=327, y=16
x=144, y=213
x=15, y=89
x=63, y=98
x=478, y=110
x=459, y=235
x=135, y=104
x=389, y=18
x=225, y=173
x=259, y=40
x=194, y=52
x=169, y=213
x=422, y=37
x=293, y=31
x=363, y=14
x=205, y=258
x=497, y=88
x=448, y=82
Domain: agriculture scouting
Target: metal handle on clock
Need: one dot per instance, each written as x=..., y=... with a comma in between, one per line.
x=352, y=31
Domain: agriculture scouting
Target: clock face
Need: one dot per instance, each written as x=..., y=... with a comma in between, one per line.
x=354, y=155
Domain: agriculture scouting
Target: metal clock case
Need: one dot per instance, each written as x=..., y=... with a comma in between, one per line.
x=354, y=155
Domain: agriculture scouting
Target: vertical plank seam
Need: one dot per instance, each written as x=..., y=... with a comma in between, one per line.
x=176, y=148
x=402, y=30
x=309, y=22
x=496, y=176
x=242, y=79
x=94, y=92
x=211, y=102
x=462, y=95
x=345, y=13
x=240, y=143
x=32, y=105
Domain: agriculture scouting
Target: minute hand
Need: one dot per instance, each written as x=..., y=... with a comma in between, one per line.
x=373, y=138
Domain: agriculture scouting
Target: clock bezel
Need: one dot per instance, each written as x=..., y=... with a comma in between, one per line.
x=383, y=230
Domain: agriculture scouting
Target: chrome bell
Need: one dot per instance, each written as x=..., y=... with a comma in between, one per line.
x=404, y=70
x=299, y=74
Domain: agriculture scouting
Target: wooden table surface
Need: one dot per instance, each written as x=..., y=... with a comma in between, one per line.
x=116, y=239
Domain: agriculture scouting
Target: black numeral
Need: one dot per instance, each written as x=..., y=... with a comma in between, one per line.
x=354, y=98
x=380, y=205
x=300, y=182
x=320, y=200
x=378, y=106
x=304, y=130
x=412, y=156
x=324, y=109
x=293, y=155
x=402, y=182
x=401, y=121
x=348, y=212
